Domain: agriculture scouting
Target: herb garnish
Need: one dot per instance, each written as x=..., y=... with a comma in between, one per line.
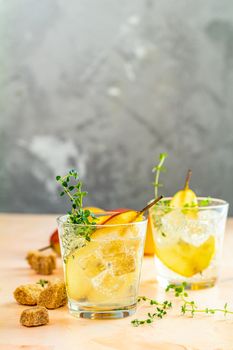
x=188, y=306
x=42, y=282
x=77, y=215
x=201, y=203
x=159, y=312
x=157, y=169
x=205, y=202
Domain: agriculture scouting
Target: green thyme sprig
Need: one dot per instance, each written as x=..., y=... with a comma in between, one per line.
x=190, y=205
x=72, y=187
x=201, y=203
x=157, y=169
x=189, y=307
x=158, y=313
x=193, y=205
x=205, y=202
x=42, y=282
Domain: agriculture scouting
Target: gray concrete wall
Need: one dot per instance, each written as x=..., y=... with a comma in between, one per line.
x=104, y=86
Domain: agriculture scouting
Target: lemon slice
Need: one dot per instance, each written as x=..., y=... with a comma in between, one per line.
x=100, y=220
x=186, y=259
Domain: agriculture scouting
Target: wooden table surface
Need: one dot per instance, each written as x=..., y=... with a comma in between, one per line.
x=20, y=233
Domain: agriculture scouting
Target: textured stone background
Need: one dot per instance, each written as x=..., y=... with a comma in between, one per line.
x=104, y=86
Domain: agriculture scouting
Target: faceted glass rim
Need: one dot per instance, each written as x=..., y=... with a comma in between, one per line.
x=219, y=203
x=61, y=220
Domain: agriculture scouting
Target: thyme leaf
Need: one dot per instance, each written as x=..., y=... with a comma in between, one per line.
x=72, y=187
x=42, y=282
x=189, y=307
x=159, y=311
x=157, y=169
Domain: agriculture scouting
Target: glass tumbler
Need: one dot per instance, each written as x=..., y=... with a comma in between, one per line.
x=102, y=275
x=188, y=242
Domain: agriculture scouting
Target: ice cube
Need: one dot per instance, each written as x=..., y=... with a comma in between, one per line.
x=92, y=264
x=122, y=264
x=120, y=255
x=210, y=216
x=133, y=231
x=132, y=246
x=172, y=225
x=106, y=283
x=112, y=247
x=196, y=232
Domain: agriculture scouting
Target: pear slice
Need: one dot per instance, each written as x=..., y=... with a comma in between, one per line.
x=78, y=280
x=121, y=219
x=186, y=198
x=100, y=220
x=186, y=259
x=182, y=257
x=124, y=218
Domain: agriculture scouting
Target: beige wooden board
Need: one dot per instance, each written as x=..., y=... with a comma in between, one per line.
x=20, y=233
